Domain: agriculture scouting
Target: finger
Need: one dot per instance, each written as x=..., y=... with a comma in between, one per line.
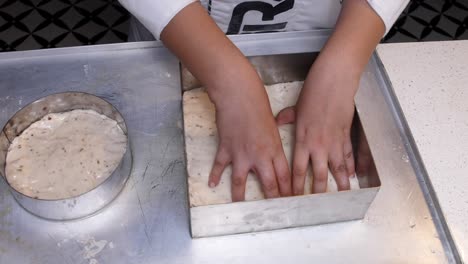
x=238, y=180
x=283, y=175
x=286, y=116
x=267, y=177
x=349, y=157
x=363, y=156
x=300, y=164
x=320, y=172
x=338, y=167
x=221, y=161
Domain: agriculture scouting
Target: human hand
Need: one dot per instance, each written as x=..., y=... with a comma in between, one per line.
x=323, y=116
x=326, y=106
x=249, y=140
x=248, y=137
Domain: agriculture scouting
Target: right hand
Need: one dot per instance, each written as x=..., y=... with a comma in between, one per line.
x=248, y=137
x=249, y=140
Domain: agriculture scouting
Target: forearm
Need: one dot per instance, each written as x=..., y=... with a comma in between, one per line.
x=356, y=35
x=211, y=57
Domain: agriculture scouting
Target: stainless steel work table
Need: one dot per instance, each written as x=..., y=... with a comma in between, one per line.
x=148, y=222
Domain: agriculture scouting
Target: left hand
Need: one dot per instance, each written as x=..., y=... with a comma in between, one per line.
x=323, y=116
x=326, y=106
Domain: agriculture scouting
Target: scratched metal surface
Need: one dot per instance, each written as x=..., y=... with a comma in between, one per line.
x=144, y=85
x=148, y=222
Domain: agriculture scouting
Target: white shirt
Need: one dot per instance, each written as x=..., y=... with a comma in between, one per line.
x=250, y=16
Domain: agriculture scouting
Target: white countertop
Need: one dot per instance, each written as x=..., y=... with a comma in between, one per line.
x=430, y=81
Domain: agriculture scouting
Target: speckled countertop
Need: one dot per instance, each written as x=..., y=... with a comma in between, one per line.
x=430, y=81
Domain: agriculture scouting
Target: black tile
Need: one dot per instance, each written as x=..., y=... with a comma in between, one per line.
x=430, y=20
x=34, y=24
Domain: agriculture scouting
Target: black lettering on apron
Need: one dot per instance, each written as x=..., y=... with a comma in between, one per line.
x=268, y=14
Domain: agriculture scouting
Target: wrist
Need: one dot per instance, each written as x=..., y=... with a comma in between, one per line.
x=329, y=76
x=340, y=64
x=236, y=85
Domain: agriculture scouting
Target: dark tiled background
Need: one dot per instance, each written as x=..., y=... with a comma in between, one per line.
x=35, y=24
x=429, y=20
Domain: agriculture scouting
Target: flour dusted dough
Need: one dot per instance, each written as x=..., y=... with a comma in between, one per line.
x=65, y=154
x=201, y=141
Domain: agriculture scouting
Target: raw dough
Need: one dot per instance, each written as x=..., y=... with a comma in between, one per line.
x=201, y=141
x=65, y=154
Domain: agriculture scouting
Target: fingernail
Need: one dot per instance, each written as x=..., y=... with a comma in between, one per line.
x=352, y=175
x=212, y=184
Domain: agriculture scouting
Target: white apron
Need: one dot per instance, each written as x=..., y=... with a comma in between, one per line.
x=249, y=16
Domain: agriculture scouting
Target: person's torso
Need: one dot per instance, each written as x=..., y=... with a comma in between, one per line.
x=248, y=16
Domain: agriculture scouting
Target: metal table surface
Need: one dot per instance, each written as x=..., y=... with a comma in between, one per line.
x=148, y=222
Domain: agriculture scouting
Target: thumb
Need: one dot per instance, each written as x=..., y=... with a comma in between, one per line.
x=286, y=116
